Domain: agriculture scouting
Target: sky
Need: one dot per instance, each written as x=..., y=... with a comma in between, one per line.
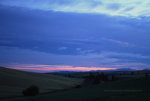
x=74, y=35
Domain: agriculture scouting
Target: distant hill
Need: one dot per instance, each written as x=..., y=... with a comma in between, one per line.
x=120, y=69
x=125, y=69
x=12, y=82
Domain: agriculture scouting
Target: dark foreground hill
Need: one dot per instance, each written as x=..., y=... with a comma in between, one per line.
x=13, y=82
x=135, y=89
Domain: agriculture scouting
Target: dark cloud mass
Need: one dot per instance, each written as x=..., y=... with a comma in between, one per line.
x=32, y=36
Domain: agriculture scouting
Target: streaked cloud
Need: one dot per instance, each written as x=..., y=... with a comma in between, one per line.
x=30, y=60
x=109, y=54
x=62, y=48
x=128, y=8
x=53, y=68
x=126, y=44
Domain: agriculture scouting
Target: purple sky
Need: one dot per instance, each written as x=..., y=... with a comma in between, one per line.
x=48, y=35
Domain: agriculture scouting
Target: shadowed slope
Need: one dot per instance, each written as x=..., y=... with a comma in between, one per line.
x=12, y=82
x=137, y=89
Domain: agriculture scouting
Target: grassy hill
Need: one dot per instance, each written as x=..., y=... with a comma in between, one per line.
x=136, y=89
x=12, y=82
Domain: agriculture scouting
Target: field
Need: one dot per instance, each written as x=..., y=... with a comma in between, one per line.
x=13, y=82
x=133, y=88
x=125, y=90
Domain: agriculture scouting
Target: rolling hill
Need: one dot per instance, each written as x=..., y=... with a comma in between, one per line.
x=136, y=89
x=13, y=82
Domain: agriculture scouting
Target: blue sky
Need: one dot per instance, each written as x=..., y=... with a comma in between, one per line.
x=74, y=33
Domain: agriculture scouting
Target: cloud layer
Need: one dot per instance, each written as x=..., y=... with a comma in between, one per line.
x=34, y=35
x=128, y=8
x=30, y=60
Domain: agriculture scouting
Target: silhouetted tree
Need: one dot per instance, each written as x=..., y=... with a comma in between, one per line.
x=113, y=78
x=146, y=74
x=31, y=91
x=78, y=86
x=103, y=77
x=96, y=80
x=132, y=73
x=91, y=76
x=100, y=78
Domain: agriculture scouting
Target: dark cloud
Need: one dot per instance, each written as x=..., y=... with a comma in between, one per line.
x=70, y=38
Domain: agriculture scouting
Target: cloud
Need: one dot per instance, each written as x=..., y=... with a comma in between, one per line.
x=10, y=56
x=63, y=48
x=30, y=36
x=122, y=43
x=18, y=55
x=48, y=31
x=128, y=8
x=126, y=55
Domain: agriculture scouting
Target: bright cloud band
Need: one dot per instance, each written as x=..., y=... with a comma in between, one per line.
x=52, y=68
x=128, y=8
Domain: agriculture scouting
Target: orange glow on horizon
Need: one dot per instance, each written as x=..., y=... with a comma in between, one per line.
x=52, y=68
